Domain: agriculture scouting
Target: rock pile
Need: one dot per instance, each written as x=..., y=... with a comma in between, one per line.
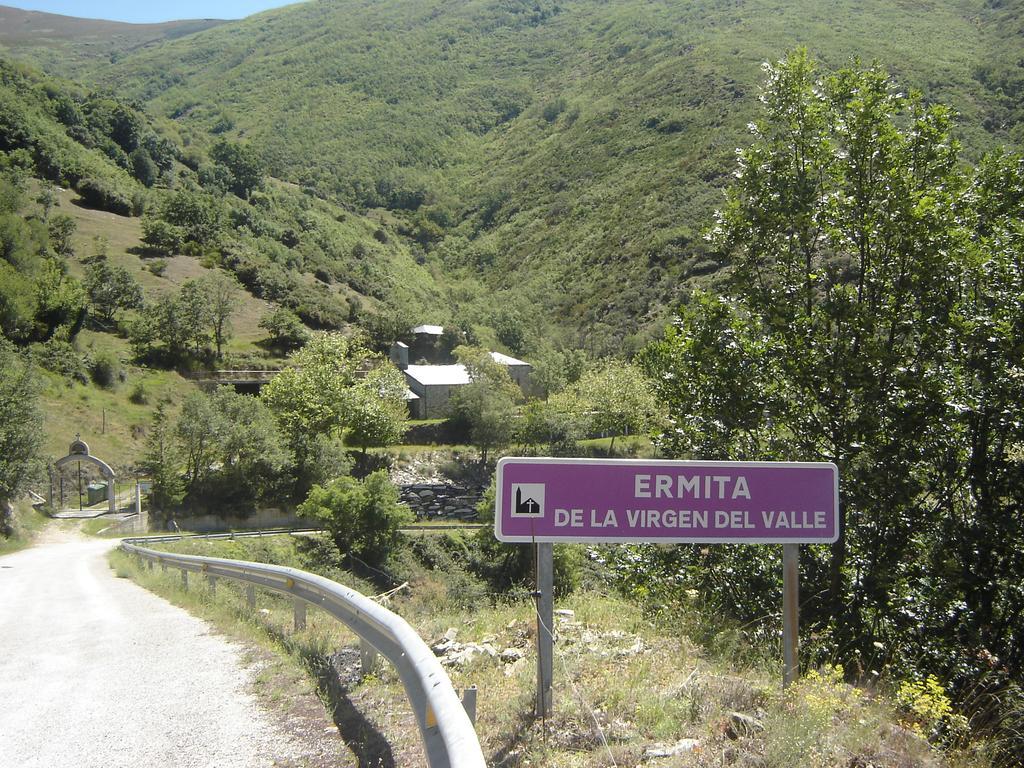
x=455, y=654
x=440, y=500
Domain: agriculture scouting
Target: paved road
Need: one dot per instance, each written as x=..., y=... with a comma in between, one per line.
x=95, y=671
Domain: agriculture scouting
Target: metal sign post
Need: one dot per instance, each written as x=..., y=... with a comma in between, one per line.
x=545, y=586
x=543, y=501
x=790, y=613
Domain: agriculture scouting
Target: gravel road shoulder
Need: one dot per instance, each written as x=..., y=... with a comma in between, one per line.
x=96, y=671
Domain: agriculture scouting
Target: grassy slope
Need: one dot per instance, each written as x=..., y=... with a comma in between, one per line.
x=594, y=203
x=328, y=233
x=70, y=408
x=122, y=238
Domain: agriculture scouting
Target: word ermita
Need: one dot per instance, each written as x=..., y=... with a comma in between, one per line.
x=697, y=486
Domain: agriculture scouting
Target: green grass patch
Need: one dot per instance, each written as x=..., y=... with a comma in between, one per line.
x=632, y=446
x=26, y=523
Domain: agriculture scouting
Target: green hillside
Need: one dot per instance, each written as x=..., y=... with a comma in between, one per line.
x=64, y=43
x=326, y=262
x=564, y=153
x=90, y=192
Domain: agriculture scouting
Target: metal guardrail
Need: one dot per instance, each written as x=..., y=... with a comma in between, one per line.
x=161, y=539
x=164, y=538
x=449, y=738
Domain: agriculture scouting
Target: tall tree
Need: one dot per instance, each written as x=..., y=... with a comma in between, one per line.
x=223, y=293
x=615, y=398
x=286, y=330
x=379, y=413
x=979, y=543
x=111, y=290
x=311, y=395
x=194, y=314
x=162, y=460
x=251, y=452
x=21, y=423
x=243, y=163
x=198, y=431
x=233, y=452
x=487, y=405
x=843, y=228
x=313, y=401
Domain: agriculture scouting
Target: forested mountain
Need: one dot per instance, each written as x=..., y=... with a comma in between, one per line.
x=326, y=263
x=565, y=153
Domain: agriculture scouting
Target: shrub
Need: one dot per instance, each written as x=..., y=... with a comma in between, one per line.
x=363, y=516
x=161, y=236
x=927, y=710
x=286, y=330
x=553, y=109
x=104, y=369
x=508, y=566
x=59, y=356
x=139, y=395
x=99, y=193
x=318, y=307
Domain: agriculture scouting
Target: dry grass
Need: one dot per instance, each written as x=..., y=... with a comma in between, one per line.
x=122, y=236
x=112, y=425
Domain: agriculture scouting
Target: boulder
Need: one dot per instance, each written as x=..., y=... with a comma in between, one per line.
x=681, y=747
x=740, y=725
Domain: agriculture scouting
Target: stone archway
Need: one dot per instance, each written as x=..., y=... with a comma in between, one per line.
x=79, y=451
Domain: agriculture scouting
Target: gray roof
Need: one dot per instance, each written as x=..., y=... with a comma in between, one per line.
x=452, y=375
x=432, y=330
x=437, y=375
x=506, y=360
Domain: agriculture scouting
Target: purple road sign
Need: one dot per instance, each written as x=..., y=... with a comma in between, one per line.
x=622, y=500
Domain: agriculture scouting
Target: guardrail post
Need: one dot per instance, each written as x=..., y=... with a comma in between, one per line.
x=212, y=581
x=250, y=596
x=300, y=614
x=163, y=567
x=149, y=565
x=469, y=702
x=369, y=659
x=184, y=579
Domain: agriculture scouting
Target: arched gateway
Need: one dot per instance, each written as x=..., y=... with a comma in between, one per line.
x=79, y=451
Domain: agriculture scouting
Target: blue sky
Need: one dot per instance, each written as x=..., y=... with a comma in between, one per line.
x=144, y=11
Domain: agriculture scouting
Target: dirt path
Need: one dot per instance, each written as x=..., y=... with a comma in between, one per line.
x=96, y=671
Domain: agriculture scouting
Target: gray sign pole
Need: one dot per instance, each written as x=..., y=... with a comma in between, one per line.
x=545, y=585
x=790, y=613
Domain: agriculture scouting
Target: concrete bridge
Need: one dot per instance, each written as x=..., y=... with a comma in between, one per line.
x=243, y=381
